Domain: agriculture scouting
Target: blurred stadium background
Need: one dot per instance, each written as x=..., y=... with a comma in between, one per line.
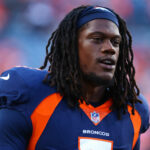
x=26, y=25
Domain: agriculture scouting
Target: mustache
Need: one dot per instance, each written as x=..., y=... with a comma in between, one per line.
x=98, y=60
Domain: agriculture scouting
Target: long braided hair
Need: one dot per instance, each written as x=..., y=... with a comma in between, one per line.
x=64, y=70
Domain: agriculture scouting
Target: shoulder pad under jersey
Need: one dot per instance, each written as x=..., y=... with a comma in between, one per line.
x=143, y=110
x=23, y=88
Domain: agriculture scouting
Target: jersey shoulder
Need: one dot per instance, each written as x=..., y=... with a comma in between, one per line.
x=22, y=85
x=143, y=110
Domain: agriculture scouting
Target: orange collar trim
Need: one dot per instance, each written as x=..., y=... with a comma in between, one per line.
x=96, y=114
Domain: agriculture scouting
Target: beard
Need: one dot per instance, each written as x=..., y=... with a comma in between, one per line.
x=96, y=80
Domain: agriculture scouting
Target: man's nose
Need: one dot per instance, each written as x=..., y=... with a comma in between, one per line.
x=107, y=47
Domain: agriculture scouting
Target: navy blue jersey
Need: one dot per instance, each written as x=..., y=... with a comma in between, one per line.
x=34, y=116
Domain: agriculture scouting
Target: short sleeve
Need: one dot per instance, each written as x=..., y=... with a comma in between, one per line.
x=15, y=131
x=13, y=89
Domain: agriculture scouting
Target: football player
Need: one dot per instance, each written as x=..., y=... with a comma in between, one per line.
x=87, y=100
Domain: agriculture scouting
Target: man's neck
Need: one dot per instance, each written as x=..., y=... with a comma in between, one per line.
x=94, y=94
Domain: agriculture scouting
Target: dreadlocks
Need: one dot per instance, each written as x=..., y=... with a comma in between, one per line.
x=125, y=89
x=64, y=71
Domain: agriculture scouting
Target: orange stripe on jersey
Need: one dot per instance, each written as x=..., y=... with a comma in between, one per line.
x=136, y=121
x=40, y=117
x=103, y=110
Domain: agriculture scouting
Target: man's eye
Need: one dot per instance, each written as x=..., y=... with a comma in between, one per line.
x=116, y=42
x=97, y=39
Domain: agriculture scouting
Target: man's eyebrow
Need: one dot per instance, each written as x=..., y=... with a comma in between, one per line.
x=104, y=34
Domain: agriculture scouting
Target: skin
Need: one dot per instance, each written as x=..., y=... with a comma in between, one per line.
x=97, y=40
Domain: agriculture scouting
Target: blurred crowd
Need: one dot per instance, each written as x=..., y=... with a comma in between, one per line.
x=26, y=25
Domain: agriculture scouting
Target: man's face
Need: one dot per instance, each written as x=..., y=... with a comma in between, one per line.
x=98, y=45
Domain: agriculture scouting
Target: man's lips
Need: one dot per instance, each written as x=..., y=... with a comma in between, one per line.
x=107, y=67
x=107, y=63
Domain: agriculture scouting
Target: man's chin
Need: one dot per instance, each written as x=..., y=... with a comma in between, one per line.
x=96, y=80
